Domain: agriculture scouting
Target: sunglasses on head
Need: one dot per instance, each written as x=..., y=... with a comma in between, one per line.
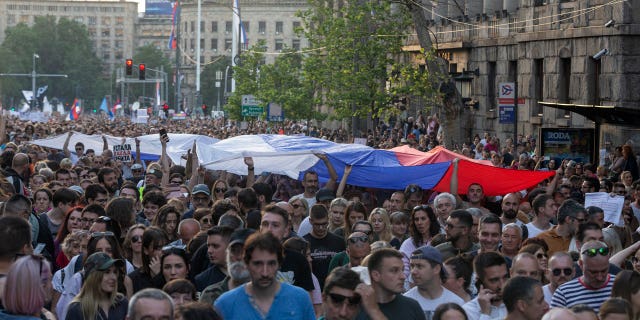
x=173, y=248
x=356, y=239
x=102, y=234
x=566, y=271
x=339, y=299
x=604, y=251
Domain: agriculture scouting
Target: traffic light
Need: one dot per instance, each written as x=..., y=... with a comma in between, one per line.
x=204, y=108
x=129, y=66
x=141, y=71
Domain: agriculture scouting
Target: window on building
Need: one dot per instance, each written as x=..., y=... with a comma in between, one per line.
x=246, y=25
x=262, y=27
x=295, y=44
x=106, y=21
x=201, y=26
x=119, y=55
x=228, y=26
x=201, y=44
x=11, y=19
x=279, y=27
x=119, y=32
x=227, y=45
x=565, y=84
x=214, y=44
x=279, y=45
x=214, y=26
x=593, y=81
x=491, y=85
x=538, y=86
x=106, y=32
x=192, y=44
x=193, y=26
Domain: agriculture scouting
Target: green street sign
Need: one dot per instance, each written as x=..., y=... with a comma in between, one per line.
x=252, y=111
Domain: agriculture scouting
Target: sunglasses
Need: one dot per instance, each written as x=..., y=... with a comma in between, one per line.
x=356, y=239
x=541, y=255
x=136, y=239
x=173, y=248
x=206, y=220
x=339, y=299
x=218, y=190
x=102, y=234
x=296, y=206
x=604, y=251
x=566, y=271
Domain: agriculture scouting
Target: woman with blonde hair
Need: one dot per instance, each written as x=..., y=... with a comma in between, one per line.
x=99, y=297
x=381, y=223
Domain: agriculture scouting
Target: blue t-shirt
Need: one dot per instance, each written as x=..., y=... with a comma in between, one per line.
x=290, y=302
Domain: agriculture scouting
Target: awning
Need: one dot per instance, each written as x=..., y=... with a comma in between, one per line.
x=601, y=114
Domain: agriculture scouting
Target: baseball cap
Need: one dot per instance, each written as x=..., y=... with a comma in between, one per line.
x=136, y=166
x=77, y=189
x=240, y=236
x=201, y=188
x=431, y=254
x=156, y=173
x=325, y=195
x=100, y=261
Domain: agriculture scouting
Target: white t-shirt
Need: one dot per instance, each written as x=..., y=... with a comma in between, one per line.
x=430, y=305
x=533, y=230
x=548, y=295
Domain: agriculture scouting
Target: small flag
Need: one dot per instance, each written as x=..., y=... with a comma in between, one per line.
x=173, y=43
x=106, y=109
x=75, y=111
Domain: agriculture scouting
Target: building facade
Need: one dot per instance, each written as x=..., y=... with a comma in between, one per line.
x=111, y=25
x=554, y=49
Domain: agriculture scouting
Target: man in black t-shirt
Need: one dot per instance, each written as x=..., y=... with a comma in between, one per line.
x=323, y=244
x=387, y=279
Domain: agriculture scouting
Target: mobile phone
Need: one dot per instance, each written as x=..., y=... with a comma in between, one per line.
x=163, y=133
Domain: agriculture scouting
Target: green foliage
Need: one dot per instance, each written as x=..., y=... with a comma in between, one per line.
x=208, y=81
x=64, y=47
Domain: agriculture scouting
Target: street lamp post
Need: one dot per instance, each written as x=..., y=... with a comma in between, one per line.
x=218, y=78
x=33, y=81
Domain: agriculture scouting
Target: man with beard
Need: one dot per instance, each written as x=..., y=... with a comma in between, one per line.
x=310, y=185
x=491, y=269
x=570, y=215
x=236, y=268
x=109, y=180
x=510, y=204
x=264, y=297
x=458, y=229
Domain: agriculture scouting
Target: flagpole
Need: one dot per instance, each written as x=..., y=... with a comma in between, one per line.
x=234, y=40
x=198, y=96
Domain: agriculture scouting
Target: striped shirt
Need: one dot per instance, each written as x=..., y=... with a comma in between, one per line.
x=577, y=292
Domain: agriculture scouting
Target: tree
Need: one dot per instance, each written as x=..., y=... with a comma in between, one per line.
x=64, y=47
x=452, y=120
x=354, y=47
x=208, y=81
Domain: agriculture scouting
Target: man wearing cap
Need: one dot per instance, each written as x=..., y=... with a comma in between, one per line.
x=137, y=172
x=236, y=268
x=100, y=261
x=428, y=274
x=200, y=198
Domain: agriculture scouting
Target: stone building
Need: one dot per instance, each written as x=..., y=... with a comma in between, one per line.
x=550, y=47
x=110, y=24
x=272, y=21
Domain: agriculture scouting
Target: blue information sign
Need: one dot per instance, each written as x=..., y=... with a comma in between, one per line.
x=507, y=114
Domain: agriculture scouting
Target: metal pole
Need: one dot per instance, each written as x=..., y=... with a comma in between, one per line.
x=177, y=73
x=198, y=96
x=515, y=111
x=33, y=81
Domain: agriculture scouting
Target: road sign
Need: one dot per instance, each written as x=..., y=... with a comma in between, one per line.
x=506, y=96
x=250, y=100
x=507, y=114
x=252, y=111
x=275, y=112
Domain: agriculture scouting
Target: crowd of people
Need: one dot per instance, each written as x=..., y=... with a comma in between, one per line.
x=83, y=236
